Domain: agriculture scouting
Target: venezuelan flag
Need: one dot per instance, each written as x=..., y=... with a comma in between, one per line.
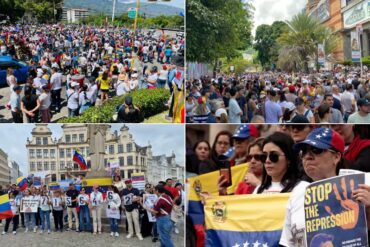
x=178, y=109
x=77, y=157
x=103, y=183
x=5, y=210
x=245, y=220
x=208, y=183
x=22, y=182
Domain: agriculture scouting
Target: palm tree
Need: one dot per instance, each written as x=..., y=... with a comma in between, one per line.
x=303, y=36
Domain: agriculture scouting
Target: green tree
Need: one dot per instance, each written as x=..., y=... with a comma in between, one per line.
x=12, y=8
x=217, y=29
x=303, y=36
x=266, y=42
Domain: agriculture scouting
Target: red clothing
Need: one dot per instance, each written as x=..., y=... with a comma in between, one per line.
x=356, y=146
x=244, y=188
x=163, y=205
x=174, y=192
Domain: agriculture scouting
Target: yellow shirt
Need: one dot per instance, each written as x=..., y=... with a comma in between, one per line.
x=104, y=84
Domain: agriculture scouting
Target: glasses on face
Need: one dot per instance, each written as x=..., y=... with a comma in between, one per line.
x=223, y=143
x=257, y=157
x=313, y=151
x=272, y=156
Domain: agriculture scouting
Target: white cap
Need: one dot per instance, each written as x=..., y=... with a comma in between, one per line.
x=134, y=75
x=74, y=84
x=290, y=106
x=220, y=111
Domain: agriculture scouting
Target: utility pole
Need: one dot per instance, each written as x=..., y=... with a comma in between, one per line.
x=114, y=9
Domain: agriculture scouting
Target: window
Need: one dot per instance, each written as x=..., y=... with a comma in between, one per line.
x=130, y=161
x=45, y=140
x=74, y=138
x=52, y=153
x=46, y=166
x=53, y=177
x=82, y=151
x=62, y=165
x=68, y=151
x=121, y=161
x=38, y=140
x=32, y=153
x=129, y=147
x=61, y=153
x=120, y=148
x=52, y=166
x=130, y=172
x=111, y=149
x=68, y=138
x=75, y=166
x=81, y=137
x=38, y=153
x=87, y=151
x=39, y=166
x=33, y=166
x=62, y=177
x=105, y=162
x=137, y=160
x=69, y=164
x=88, y=164
x=46, y=153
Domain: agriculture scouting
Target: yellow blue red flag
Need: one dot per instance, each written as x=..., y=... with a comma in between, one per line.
x=208, y=183
x=5, y=209
x=245, y=220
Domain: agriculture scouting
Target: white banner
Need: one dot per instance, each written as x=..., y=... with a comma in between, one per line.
x=30, y=205
x=113, y=213
x=355, y=47
x=150, y=200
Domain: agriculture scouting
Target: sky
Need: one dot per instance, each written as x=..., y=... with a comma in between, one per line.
x=268, y=11
x=174, y=3
x=163, y=138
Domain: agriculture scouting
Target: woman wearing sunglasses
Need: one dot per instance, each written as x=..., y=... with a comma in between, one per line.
x=280, y=170
x=253, y=177
x=222, y=143
x=84, y=216
x=321, y=154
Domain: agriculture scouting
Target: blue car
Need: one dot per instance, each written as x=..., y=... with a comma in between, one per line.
x=20, y=69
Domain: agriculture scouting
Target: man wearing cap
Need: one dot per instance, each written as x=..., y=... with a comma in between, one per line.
x=45, y=101
x=15, y=104
x=291, y=96
x=273, y=111
x=71, y=202
x=73, y=99
x=56, y=88
x=130, y=199
x=39, y=81
x=363, y=114
x=242, y=137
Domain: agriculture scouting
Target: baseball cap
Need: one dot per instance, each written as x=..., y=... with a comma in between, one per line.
x=298, y=101
x=291, y=88
x=220, y=111
x=363, y=102
x=245, y=131
x=323, y=138
x=15, y=88
x=290, y=106
x=299, y=119
x=128, y=181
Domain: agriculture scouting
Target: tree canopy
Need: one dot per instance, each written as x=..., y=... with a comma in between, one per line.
x=217, y=28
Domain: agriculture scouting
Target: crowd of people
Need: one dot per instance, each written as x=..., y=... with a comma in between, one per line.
x=282, y=158
x=92, y=64
x=82, y=210
x=337, y=96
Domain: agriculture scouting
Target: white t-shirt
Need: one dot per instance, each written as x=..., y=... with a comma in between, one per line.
x=122, y=88
x=72, y=99
x=45, y=100
x=163, y=74
x=56, y=81
x=275, y=188
x=346, y=99
x=96, y=199
x=294, y=233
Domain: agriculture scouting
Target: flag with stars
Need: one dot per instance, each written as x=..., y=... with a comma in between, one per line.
x=208, y=183
x=245, y=220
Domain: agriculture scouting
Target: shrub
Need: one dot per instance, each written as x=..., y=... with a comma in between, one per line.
x=347, y=62
x=366, y=61
x=150, y=102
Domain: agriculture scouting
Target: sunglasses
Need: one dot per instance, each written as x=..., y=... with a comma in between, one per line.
x=257, y=157
x=272, y=156
x=313, y=150
x=298, y=127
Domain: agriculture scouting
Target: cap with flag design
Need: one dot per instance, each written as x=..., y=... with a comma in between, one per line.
x=245, y=131
x=323, y=138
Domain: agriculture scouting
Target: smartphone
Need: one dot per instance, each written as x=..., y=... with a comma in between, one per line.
x=226, y=173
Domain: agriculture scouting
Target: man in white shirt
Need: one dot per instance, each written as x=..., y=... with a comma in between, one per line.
x=363, y=114
x=56, y=88
x=348, y=101
x=38, y=82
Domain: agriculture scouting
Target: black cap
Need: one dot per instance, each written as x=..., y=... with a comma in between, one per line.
x=299, y=119
x=128, y=100
x=363, y=102
x=298, y=101
x=15, y=88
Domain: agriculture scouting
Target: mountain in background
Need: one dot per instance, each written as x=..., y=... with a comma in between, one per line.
x=106, y=6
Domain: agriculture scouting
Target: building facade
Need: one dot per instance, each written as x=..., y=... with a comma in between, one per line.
x=329, y=13
x=356, y=13
x=164, y=167
x=71, y=15
x=4, y=169
x=14, y=171
x=52, y=157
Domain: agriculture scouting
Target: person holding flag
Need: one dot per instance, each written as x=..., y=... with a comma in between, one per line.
x=79, y=159
x=5, y=208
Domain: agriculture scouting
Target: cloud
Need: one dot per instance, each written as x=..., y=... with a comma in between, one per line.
x=268, y=11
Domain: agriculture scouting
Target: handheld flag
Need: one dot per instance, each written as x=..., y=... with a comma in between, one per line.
x=78, y=158
x=230, y=223
x=22, y=182
x=5, y=210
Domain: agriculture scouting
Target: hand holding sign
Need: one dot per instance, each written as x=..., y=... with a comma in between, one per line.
x=362, y=194
x=347, y=204
x=110, y=195
x=69, y=201
x=56, y=202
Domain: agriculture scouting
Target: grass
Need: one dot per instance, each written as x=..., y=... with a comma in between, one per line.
x=159, y=118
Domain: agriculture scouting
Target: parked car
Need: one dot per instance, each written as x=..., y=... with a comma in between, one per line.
x=20, y=69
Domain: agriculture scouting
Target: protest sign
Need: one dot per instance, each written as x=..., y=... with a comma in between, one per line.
x=30, y=205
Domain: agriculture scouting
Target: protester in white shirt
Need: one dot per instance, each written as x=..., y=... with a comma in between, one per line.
x=95, y=204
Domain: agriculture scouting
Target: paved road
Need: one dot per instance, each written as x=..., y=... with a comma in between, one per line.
x=56, y=239
x=6, y=116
